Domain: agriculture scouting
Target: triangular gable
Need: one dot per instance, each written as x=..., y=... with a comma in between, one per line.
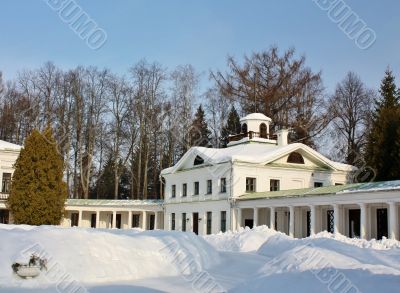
x=312, y=159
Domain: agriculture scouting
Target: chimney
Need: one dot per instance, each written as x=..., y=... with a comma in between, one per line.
x=282, y=137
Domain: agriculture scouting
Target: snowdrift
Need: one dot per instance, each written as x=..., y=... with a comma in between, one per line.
x=95, y=255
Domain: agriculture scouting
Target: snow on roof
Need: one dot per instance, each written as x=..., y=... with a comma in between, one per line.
x=110, y=202
x=4, y=145
x=255, y=116
x=255, y=153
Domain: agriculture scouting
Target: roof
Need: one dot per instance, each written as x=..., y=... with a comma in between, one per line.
x=111, y=202
x=326, y=190
x=4, y=145
x=255, y=116
x=255, y=153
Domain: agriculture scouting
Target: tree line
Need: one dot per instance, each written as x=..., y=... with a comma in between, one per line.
x=116, y=133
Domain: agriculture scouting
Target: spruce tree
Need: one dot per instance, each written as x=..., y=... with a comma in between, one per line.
x=382, y=150
x=38, y=192
x=231, y=127
x=199, y=132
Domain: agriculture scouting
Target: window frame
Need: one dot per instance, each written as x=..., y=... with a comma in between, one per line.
x=173, y=191
x=223, y=185
x=196, y=188
x=183, y=222
x=6, y=182
x=184, y=190
x=253, y=184
x=209, y=223
x=173, y=224
x=273, y=187
x=318, y=184
x=209, y=187
x=223, y=221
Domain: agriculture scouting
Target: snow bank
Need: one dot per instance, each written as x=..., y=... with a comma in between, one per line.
x=244, y=240
x=96, y=255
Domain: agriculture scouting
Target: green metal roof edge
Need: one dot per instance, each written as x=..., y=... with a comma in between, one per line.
x=300, y=192
x=74, y=201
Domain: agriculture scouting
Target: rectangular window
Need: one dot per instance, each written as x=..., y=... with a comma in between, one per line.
x=173, y=221
x=209, y=222
x=209, y=186
x=74, y=219
x=338, y=184
x=173, y=190
x=184, y=190
x=223, y=221
x=135, y=221
x=250, y=184
x=6, y=183
x=223, y=185
x=183, y=222
x=318, y=184
x=274, y=185
x=196, y=188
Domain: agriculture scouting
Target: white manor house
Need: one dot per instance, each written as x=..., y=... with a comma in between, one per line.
x=259, y=179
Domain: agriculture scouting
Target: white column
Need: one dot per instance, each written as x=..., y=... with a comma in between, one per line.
x=130, y=220
x=363, y=227
x=313, y=214
x=156, y=220
x=336, y=219
x=98, y=219
x=114, y=221
x=80, y=219
x=291, y=221
x=255, y=224
x=393, y=220
x=272, y=218
x=144, y=220
x=239, y=218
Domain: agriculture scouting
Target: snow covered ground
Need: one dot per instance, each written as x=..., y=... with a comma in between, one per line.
x=257, y=260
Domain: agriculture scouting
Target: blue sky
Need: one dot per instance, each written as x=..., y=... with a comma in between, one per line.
x=201, y=33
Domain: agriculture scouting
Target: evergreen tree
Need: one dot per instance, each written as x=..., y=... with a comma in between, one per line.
x=382, y=151
x=231, y=127
x=104, y=187
x=199, y=132
x=38, y=192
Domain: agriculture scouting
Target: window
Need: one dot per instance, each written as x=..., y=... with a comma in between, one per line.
x=209, y=222
x=6, y=183
x=173, y=190
x=318, y=184
x=338, y=184
x=209, y=186
x=274, y=185
x=198, y=161
x=183, y=222
x=184, y=190
x=250, y=184
x=135, y=221
x=263, y=131
x=295, y=158
x=196, y=188
x=223, y=185
x=74, y=219
x=173, y=221
x=223, y=221
x=244, y=128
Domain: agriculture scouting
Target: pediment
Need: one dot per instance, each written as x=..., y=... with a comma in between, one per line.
x=300, y=159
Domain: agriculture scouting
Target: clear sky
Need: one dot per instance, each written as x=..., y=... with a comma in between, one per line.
x=201, y=32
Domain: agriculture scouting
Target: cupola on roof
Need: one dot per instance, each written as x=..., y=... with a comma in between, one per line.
x=256, y=116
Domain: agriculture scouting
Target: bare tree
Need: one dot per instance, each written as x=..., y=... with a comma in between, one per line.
x=350, y=107
x=280, y=86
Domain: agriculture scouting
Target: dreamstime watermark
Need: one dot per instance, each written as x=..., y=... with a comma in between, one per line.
x=348, y=22
x=190, y=270
x=55, y=273
x=79, y=22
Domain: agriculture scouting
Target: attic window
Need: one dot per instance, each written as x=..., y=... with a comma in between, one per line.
x=198, y=161
x=295, y=158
